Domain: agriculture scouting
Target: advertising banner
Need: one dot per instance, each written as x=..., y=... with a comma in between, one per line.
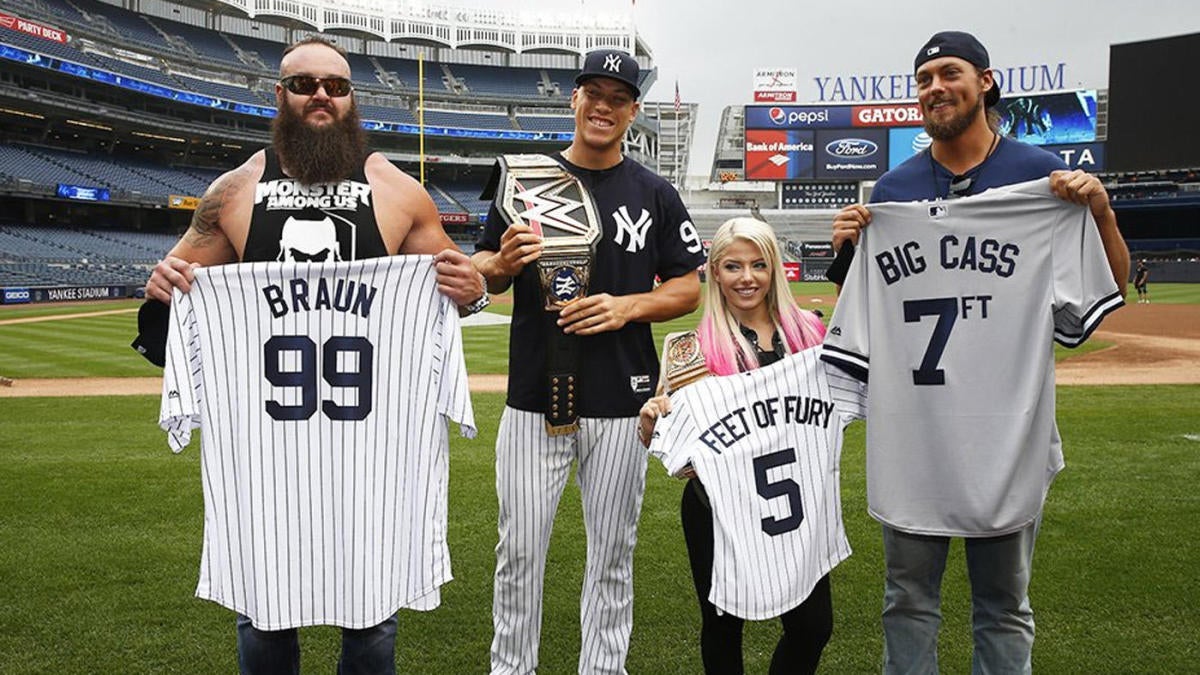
x=1086, y=156
x=183, y=202
x=899, y=115
x=76, y=293
x=818, y=250
x=778, y=155
x=797, y=117
x=39, y=30
x=904, y=143
x=792, y=271
x=82, y=192
x=855, y=153
x=15, y=296
x=453, y=218
x=775, y=85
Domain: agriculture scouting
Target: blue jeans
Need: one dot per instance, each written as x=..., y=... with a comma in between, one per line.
x=370, y=651
x=1002, y=620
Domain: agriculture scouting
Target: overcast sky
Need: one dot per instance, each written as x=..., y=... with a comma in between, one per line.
x=713, y=46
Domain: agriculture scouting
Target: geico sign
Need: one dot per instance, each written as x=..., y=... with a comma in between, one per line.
x=16, y=295
x=888, y=116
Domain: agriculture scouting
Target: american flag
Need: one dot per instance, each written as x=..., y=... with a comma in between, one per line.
x=677, y=102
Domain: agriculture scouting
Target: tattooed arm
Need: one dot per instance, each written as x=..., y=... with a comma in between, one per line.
x=220, y=219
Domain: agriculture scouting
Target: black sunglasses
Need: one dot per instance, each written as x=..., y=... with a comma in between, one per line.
x=307, y=85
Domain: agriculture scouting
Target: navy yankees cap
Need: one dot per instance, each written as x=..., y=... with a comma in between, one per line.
x=964, y=46
x=613, y=64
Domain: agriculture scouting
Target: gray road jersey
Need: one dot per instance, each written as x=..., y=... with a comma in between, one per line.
x=951, y=309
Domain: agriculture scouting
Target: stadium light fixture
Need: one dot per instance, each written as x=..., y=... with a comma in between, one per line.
x=90, y=125
x=158, y=137
x=22, y=113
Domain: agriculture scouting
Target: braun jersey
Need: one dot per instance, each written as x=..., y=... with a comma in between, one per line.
x=766, y=444
x=322, y=392
x=951, y=308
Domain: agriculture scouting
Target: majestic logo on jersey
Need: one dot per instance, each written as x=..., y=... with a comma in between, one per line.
x=309, y=241
x=612, y=63
x=546, y=205
x=566, y=284
x=290, y=194
x=636, y=232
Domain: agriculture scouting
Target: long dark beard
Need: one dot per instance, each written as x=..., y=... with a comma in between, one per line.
x=953, y=127
x=325, y=154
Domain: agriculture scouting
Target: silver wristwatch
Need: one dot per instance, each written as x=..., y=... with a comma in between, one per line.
x=477, y=306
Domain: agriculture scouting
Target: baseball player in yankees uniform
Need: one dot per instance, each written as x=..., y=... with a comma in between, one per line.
x=956, y=90
x=750, y=321
x=646, y=232
x=280, y=205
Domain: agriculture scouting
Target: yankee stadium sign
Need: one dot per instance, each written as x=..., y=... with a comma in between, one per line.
x=900, y=86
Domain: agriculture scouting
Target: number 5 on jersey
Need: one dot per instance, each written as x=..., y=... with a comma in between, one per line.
x=304, y=377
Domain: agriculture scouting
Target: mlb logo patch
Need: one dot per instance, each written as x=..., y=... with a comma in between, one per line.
x=939, y=211
x=932, y=50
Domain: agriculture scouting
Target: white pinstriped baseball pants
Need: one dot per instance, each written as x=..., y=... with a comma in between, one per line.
x=531, y=472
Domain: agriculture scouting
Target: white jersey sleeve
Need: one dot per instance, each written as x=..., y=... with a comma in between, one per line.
x=767, y=446
x=949, y=313
x=323, y=394
x=179, y=412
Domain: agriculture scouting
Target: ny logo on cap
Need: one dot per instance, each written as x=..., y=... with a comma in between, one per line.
x=612, y=62
x=932, y=50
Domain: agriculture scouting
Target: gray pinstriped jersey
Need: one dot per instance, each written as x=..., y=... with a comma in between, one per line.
x=766, y=444
x=322, y=392
x=951, y=308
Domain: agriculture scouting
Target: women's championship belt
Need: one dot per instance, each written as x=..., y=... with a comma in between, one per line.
x=683, y=362
x=537, y=191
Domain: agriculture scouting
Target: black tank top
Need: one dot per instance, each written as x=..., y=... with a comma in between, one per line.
x=325, y=222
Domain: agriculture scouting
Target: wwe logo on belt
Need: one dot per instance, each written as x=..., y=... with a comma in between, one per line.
x=545, y=205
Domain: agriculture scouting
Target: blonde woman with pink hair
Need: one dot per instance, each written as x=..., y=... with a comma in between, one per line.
x=750, y=320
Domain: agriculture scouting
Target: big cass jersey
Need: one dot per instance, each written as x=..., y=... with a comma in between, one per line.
x=323, y=393
x=766, y=444
x=951, y=308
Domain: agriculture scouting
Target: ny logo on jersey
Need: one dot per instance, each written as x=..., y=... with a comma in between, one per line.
x=635, y=231
x=612, y=63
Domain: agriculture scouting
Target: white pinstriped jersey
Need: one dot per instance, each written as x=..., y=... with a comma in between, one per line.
x=323, y=393
x=766, y=444
x=952, y=308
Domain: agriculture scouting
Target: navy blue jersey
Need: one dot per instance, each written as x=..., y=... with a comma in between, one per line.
x=922, y=178
x=647, y=232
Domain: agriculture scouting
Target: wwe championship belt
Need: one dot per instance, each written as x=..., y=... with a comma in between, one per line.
x=683, y=362
x=537, y=191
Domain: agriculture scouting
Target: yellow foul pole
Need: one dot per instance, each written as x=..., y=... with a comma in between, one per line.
x=421, y=109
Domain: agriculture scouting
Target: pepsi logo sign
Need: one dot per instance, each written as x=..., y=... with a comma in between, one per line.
x=777, y=115
x=851, y=147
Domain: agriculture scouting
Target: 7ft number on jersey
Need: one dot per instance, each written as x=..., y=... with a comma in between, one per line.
x=947, y=311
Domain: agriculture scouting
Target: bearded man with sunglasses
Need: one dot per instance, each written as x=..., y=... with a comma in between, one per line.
x=316, y=194
x=953, y=461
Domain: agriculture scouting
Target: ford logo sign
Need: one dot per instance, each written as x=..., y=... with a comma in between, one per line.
x=777, y=115
x=852, y=147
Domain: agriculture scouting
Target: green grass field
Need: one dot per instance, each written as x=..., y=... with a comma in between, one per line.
x=101, y=528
